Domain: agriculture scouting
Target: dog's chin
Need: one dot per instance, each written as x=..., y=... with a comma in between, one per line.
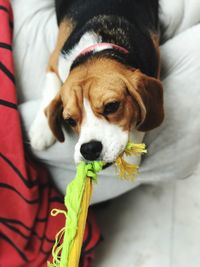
x=82, y=159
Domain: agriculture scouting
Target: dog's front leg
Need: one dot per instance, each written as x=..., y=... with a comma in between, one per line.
x=40, y=134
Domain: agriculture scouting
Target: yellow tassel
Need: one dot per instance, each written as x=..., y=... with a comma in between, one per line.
x=126, y=170
x=58, y=245
x=135, y=149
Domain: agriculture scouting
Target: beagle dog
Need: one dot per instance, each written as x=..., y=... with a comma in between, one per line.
x=102, y=78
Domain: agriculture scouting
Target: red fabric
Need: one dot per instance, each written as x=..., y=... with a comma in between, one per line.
x=27, y=196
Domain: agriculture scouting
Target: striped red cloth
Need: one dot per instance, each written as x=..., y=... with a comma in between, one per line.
x=27, y=196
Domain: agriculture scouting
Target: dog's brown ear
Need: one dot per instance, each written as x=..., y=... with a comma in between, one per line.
x=148, y=93
x=54, y=115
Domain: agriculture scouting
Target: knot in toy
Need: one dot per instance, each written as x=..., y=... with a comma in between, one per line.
x=92, y=168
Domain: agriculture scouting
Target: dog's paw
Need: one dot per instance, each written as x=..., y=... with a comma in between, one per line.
x=40, y=134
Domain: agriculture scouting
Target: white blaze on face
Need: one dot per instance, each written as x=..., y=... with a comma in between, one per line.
x=112, y=137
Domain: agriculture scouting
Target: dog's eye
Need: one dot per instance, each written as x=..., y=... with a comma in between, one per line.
x=111, y=107
x=71, y=122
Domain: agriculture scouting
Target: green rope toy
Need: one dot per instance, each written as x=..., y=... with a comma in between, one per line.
x=67, y=248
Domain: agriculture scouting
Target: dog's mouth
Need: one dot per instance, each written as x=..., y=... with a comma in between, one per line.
x=107, y=165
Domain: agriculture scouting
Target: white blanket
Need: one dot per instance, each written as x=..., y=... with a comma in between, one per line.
x=173, y=148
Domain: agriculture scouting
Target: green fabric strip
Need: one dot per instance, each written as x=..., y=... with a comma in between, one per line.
x=73, y=199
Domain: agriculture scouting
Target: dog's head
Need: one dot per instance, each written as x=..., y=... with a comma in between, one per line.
x=102, y=100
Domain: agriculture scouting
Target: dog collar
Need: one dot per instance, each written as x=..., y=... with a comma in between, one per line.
x=100, y=47
x=95, y=48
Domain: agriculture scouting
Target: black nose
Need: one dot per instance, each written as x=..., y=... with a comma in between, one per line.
x=91, y=150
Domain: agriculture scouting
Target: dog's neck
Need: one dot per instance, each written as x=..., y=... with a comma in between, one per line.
x=113, y=30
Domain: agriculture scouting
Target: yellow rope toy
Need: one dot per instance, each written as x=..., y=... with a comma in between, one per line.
x=67, y=248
